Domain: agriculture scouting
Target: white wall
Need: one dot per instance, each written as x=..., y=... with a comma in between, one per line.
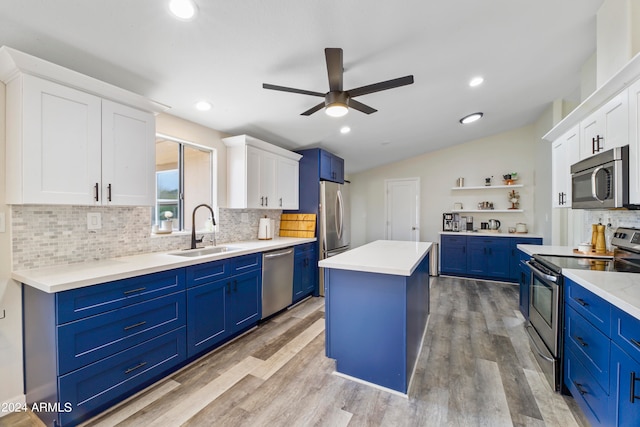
x=10, y=296
x=512, y=151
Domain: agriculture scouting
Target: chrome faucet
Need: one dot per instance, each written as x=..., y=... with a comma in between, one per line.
x=194, y=241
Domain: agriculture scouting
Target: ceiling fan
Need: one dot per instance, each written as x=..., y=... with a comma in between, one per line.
x=337, y=101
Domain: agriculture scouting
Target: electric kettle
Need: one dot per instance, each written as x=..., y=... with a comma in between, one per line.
x=494, y=224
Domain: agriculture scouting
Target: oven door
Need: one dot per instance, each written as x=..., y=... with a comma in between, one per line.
x=544, y=323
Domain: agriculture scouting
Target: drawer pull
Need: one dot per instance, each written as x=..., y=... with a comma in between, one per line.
x=135, y=368
x=632, y=393
x=580, y=389
x=581, y=302
x=635, y=342
x=135, y=325
x=582, y=342
x=133, y=291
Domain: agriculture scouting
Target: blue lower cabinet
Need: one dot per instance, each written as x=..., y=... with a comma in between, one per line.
x=305, y=271
x=245, y=302
x=101, y=384
x=91, y=339
x=592, y=399
x=217, y=310
x=488, y=257
x=206, y=316
x=453, y=254
x=517, y=256
x=625, y=382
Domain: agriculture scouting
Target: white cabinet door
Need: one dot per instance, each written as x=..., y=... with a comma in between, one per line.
x=606, y=128
x=60, y=144
x=268, y=194
x=634, y=145
x=128, y=156
x=288, y=182
x=253, y=160
x=564, y=153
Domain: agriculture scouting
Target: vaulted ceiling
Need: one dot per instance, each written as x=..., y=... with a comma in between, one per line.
x=529, y=53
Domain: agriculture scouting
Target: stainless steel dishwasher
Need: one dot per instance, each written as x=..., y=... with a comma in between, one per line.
x=277, y=281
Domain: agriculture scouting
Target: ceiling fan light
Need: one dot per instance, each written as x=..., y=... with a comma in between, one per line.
x=336, y=109
x=471, y=118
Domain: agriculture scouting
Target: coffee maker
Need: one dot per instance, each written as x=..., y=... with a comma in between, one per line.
x=447, y=222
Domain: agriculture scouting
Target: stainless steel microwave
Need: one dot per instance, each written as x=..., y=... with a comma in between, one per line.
x=601, y=181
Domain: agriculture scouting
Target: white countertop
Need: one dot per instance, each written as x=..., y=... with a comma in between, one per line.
x=620, y=289
x=399, y=258
x=65, y=277
x=556, y=250
x=490, y=233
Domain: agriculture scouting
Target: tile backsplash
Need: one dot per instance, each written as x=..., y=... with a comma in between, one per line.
x=46, y=235
x=617, y=218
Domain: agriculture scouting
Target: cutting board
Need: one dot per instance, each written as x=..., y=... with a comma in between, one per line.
x=298, y=225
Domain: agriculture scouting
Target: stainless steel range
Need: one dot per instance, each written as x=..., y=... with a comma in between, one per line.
x=546, y=317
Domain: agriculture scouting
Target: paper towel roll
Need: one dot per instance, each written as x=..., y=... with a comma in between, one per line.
x=264, y=229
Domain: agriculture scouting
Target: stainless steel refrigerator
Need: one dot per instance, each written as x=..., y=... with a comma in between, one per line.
x=334, y=221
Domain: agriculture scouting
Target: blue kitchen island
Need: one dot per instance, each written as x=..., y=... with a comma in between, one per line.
x=377, y=306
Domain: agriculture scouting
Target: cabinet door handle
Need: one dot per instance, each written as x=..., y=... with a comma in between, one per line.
x=635, y=342
x=598, y=139
x=593, y=145
x=266, y=201
x=582, y=342
x=109, y=192
x=228, y=288
x=235, y=286
x=135, y=368
x=262, y=201
x=632, y=391
x=133, y=291
x=280, y=201
x=581, y=302
x=135, y=325
x=97, y=194
x=580, y=389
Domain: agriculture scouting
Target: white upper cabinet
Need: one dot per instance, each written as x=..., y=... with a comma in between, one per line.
x=634, y=146
x=606, y=128
x=260, y=175
x=69, y=143
x=65, y=146
x=128, y=155
x=564, y=153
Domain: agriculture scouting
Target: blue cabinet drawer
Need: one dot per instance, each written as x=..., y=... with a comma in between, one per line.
x=246, y=263
x=589, y=305
x=89, y=340
x=450, y=239
x=591, y=398
x=590, y=345
x=299, y=249
x=94, y=387
x=208, y=272
x=626, y=333
x=91, y=300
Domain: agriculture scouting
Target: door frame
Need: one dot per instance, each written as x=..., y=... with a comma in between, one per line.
x=387, y=183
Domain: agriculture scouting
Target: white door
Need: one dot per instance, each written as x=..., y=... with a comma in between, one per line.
x=402, y=207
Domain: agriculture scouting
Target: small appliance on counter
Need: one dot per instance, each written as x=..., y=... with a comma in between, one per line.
x=447, y=222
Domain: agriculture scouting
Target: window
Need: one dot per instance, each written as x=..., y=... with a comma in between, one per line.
x=185, y=175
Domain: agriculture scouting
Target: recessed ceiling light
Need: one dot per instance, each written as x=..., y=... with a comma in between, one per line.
x=345, y=129
x=471, y=118
x=203, y=106
x=476, y=81
x=183, y=9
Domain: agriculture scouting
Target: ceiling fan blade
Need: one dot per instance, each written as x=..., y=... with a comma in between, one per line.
x=335, y=70
x=312, y=110
x=377, y=87
x=292, y=90
x=361, y=107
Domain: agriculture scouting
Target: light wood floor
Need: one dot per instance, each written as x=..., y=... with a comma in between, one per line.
x=475, y=369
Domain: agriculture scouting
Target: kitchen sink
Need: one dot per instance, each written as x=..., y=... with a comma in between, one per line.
x=204, y=251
